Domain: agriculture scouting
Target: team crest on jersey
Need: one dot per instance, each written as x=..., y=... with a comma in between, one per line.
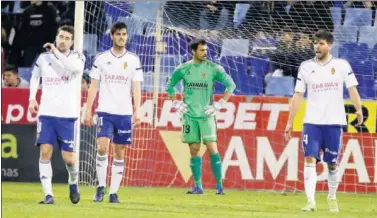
x=332, y=71
x=204, y=75
x=125, y=65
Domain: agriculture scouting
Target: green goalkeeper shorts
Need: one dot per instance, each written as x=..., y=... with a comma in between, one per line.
x=194, y=130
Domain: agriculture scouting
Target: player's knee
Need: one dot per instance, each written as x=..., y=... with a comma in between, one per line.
x=45, y=153
x=119, y=153
x=194, y=149
x=102, y=149
x=332, y=167
x=310, y=160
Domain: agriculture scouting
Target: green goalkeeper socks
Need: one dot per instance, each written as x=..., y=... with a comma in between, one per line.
x=196, y=169
x=216, y=168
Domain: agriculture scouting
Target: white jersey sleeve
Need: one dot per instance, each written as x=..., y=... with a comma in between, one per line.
x=35, y=78
x=95, y=72
x=349, y=76
x=61, y=85
x=300, y=83
x=138, y=76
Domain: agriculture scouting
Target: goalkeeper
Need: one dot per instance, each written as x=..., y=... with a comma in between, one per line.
x=198, y=109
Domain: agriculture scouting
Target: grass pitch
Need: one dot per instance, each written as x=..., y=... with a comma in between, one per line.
x=20, y=200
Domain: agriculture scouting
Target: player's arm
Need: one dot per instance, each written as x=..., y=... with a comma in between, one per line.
x=95, y=74
x=175, y=78
x=225, y=79
x=74, y=65
x=34, y=85
x=351, y=83
x=136, y=84
x=295, y=102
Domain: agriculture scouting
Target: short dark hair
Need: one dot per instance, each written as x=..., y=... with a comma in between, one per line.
x=196, y=42
x=325, y=35
x=117, y=26
x=11, y=67
x=67, y=28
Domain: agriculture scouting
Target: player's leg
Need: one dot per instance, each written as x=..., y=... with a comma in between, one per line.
x=46, y=138
x=191, y=136
x=65, y=129
x=208, y=130
x=333, y=143
x=105, y=131
x=122, y=138
x=311, y=143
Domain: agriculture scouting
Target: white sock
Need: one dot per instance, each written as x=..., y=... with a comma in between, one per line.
x=101, y=167
x=332, y=182
x=116, y=175
x=310, y=181
x=73, y=173
x=45, y=174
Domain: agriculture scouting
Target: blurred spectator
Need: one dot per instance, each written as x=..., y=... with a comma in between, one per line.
x=11, y=78
x=313, y=15
x=85, y=82
x=38, y=25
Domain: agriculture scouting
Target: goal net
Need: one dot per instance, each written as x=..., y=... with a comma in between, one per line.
x=261, y=45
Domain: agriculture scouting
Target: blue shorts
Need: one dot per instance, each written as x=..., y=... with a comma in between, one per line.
x=118, y=128
x=328, y=138
x=56, y=131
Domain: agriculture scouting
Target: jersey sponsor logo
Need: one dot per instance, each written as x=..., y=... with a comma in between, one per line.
x=197, y=85
x=327, y=86
x=55, y=80
x=111, y=78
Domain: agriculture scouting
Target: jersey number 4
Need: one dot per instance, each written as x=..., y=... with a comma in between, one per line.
x=186, y=129
x=305, y=139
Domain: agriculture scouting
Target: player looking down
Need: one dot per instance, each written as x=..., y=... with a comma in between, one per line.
x=118, y=73
x=198, y=109
x=323, y=78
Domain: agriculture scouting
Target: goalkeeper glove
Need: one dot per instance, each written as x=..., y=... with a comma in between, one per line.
x=179, y=106
x=210, y=110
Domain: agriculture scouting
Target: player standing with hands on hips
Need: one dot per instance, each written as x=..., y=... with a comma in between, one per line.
x=118, y=73
x=325, y=116
x=199, y=110
x=61, y=71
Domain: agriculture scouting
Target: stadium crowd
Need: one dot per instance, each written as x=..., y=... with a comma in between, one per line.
x=279, y=30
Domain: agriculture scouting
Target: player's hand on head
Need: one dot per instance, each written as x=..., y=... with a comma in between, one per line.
x=179, y=106
x=33, y=106
x=50, y=47
x=288, y=131
x=360, y=117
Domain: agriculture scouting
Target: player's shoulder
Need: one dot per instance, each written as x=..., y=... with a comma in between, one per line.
x=185, y=65
x=78, y=54
x=308, y=62
x=131, y=55
x=101, y=56
x=214, y=65
x=340, y=61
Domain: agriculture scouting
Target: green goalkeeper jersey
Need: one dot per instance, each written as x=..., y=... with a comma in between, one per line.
x=199, y=83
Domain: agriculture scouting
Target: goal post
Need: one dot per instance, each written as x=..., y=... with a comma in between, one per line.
x=78, y=46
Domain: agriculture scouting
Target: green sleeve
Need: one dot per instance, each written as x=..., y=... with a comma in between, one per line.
x=225, y=79
x=173, y=81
